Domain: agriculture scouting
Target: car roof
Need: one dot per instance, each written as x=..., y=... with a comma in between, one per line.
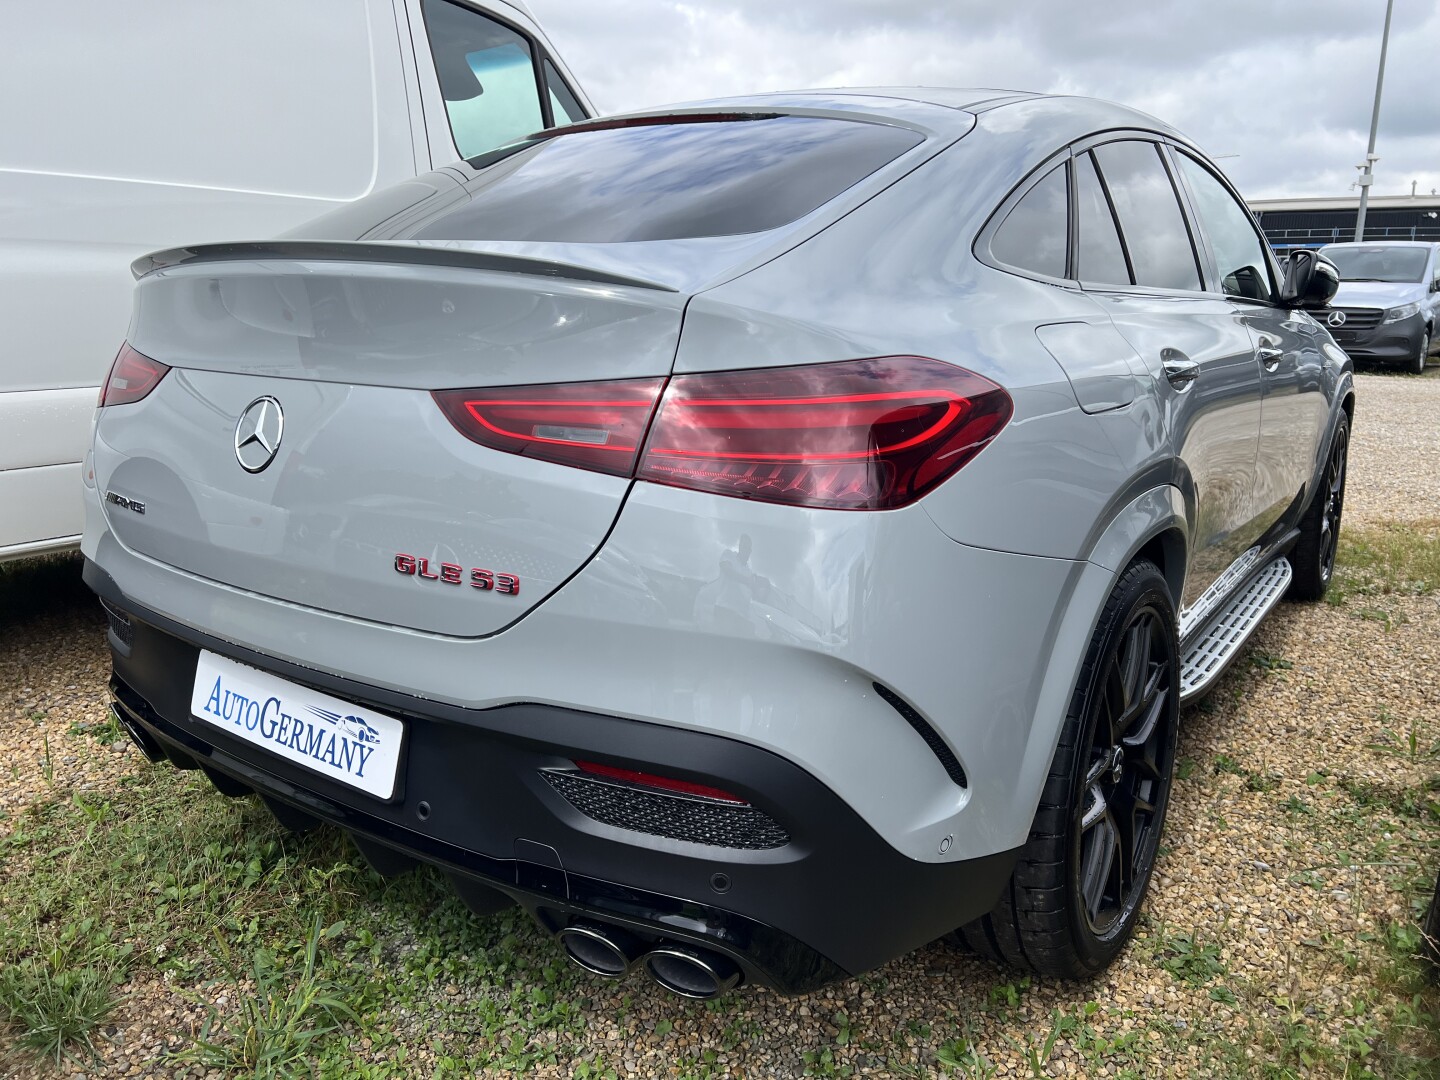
x=1384, y=243
x=943, y=110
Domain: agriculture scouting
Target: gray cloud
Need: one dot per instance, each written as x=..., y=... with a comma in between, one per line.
x=1285, y=85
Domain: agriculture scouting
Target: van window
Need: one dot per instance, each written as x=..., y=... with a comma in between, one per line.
x=1150, y=217
x=260, y=97
x=668, y=180
x=1035, y=234
x=487, y=77
x=563, y=105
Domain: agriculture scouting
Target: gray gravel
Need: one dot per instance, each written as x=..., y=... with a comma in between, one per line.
x=1395, y=448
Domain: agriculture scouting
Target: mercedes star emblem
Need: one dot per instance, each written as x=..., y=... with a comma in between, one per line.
x=1336, y=318
x=257, y=435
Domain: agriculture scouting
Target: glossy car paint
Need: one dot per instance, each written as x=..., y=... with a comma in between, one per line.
x=110, y=162
x=768, y=624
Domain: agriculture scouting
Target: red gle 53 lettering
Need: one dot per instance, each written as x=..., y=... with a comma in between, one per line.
x=454, y=574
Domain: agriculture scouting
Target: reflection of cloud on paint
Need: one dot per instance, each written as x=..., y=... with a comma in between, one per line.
x=1198, y=66
x=353, y=727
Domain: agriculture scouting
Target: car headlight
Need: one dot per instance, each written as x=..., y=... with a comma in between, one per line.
x=1404, y=311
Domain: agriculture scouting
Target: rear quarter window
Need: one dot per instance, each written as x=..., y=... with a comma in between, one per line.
x=669, y=181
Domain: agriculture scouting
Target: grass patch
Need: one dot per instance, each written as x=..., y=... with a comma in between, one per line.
x=1390, y=559
x=279, y=1020
x=52, y=1006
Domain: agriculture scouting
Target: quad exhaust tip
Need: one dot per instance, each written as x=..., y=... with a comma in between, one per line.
x=692, y=973
x=604, y=951
x=611, y=953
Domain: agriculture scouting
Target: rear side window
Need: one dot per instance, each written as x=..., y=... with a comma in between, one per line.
x=1035, y=234
x=1151, y=221
x=487, y=77
x=669, y=181
x=1239, y=254
x=1099, y=257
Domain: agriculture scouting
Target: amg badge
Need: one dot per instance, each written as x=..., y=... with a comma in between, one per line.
x=454, y=574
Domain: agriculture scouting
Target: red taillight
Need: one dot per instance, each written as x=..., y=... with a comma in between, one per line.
x=132, y=376
x=662, y=783
x=858, y=435
x=596, y=425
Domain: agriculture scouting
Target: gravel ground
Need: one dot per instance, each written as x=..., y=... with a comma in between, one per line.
x=1276, y=862
x=1395, y=448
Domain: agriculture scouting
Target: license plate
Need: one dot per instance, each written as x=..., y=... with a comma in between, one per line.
x=351, y=745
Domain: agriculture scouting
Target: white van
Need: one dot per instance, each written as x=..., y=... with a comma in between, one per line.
x=127, y=127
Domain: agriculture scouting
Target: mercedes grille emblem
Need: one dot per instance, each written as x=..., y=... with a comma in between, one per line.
x=1336, y=318
x=257, y=435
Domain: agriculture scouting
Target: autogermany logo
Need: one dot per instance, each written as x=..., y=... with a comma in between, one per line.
x=1336, y=318
x=258, y=434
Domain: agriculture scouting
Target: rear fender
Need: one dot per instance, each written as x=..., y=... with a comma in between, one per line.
x=1156, y=517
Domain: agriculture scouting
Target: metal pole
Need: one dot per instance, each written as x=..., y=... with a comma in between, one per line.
x=1367, y=173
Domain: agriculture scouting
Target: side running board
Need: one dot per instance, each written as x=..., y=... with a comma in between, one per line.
x=1208, y=655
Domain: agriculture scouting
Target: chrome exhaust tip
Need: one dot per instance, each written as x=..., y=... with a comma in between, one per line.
x=605, y=951
x=692, y=973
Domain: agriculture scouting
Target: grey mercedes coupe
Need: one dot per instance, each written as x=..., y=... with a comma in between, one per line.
x=758, y=537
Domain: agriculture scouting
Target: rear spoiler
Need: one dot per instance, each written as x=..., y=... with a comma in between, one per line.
x=393, y=254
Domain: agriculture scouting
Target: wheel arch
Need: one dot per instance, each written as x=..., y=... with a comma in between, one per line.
x=1151, y=526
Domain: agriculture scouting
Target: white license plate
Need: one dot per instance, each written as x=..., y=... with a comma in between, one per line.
x=334, y=738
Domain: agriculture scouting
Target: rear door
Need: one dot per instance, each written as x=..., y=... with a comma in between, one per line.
x=487, y=77
x=1135, y=255
x=1294, y=408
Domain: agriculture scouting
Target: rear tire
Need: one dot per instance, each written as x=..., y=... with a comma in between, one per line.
x=1313, y=559
x=1075, y=895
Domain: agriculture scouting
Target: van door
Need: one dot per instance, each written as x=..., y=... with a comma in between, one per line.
x=1136, y=257
x=486, y=79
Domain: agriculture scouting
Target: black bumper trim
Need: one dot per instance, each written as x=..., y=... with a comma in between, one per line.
x=836, y=900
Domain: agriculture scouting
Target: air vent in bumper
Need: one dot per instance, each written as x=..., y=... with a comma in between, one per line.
x=676, y=817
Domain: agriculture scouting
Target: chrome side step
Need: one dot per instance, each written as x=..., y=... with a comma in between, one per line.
x=1208, y=655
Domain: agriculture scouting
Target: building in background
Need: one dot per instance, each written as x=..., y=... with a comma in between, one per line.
x=1308, y=223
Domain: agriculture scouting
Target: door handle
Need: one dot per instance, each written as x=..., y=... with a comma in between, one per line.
x=1269, y=356
x=1179, y=369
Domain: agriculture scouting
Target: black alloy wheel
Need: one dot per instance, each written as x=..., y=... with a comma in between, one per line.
x=1313, y=558
x=1130, y=758
x=1075, y=894
x=1333, y=501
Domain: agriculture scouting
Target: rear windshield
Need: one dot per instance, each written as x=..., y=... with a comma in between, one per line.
x=1377, y=263
x=669, y=181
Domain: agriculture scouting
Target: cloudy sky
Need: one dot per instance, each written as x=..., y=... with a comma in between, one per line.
x=1287, y=85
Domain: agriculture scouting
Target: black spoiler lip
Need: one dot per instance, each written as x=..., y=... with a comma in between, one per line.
x=393, y=254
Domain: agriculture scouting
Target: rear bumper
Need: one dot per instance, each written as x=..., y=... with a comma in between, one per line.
x=832, y=899
x=1387, y=343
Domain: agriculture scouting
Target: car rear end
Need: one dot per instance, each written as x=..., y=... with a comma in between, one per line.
x=425, y=539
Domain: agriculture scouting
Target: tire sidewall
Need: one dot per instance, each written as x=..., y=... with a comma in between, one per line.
x=1146, y=588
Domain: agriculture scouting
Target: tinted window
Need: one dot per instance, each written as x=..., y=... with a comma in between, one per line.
x=1360, y=262
x=1035, y=233
x=670, y=181
x=563, y=105
x=1098, y=256
x=1239, y=253
x=487, y=77
x=1149, y=213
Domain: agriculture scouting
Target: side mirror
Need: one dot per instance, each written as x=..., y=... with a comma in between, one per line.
x=1311, y=280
